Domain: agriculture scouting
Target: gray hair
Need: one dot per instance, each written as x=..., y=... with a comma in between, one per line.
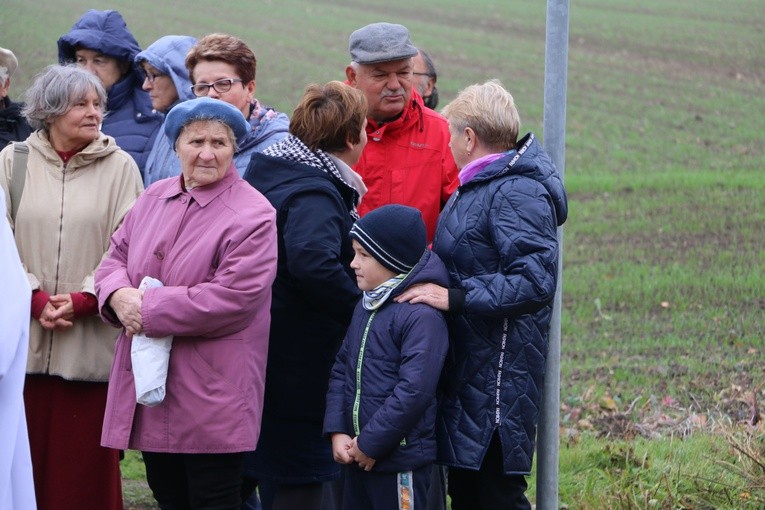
x=8, y=65
x=55, y=90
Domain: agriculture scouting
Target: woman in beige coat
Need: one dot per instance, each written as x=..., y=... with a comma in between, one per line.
x=77, y=186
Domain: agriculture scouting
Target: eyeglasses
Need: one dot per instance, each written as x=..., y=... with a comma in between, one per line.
x=148, y=75
x=220, y=86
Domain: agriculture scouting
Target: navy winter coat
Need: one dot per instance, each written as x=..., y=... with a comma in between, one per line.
x=397, y=353
x=497, y=237
x=314, y=295
x=315, y=290
x=129, y=118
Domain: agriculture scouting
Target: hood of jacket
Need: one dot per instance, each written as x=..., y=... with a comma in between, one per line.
x=107, y=33
x=529, y=160
x=97, y=149
x=102, y=31
x=168, y=55
x=429, y=269
x=268, y=126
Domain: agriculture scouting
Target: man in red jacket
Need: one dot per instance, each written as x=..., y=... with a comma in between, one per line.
x=407, y=158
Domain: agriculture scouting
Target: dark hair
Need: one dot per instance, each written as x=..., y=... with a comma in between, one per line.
x=429, y=64
x=328, y=116
x=223, y=48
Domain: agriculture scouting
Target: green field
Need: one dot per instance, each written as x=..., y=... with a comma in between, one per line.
x=663, y=326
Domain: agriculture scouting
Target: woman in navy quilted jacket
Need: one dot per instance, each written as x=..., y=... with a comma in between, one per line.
x=101, y=42
x=497, y=237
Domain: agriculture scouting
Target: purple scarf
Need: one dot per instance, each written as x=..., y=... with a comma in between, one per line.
x=474, y=167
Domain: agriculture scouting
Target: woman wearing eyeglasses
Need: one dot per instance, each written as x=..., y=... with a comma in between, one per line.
x=101, y=42
x=222, y=67
x=167, y=81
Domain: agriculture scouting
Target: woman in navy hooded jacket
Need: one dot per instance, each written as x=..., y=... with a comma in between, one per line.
x=497, y=237
x=101, y=42
x=166, y=79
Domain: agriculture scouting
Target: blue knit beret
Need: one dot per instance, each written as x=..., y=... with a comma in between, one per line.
x=204, y=108
x=394, y=235
x=380, y=42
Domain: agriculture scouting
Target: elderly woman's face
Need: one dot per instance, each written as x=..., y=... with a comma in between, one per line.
x=160, y=87
x=206, y=150
x=105, y=67
x=79, y=125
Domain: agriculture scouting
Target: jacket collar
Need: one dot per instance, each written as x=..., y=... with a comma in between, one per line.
x=203, y=195
x=413, y=113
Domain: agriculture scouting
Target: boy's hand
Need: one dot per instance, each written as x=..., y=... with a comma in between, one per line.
x=366, y=463
x=341, y=444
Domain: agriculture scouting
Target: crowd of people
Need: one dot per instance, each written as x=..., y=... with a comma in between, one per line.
x=343, y=308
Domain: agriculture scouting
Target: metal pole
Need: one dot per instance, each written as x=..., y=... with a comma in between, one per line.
x=554, y=142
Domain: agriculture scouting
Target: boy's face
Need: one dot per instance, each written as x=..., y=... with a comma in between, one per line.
x=369, y=273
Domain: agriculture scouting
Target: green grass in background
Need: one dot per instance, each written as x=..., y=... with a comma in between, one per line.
x=663, y=359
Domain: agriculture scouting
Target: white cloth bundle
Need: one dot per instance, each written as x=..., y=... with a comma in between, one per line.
x=150, y=357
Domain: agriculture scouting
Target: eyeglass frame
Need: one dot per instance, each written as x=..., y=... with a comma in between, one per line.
x=214, y=86
x=147, y=75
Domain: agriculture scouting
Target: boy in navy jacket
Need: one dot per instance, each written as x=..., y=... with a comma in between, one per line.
x=381, y=403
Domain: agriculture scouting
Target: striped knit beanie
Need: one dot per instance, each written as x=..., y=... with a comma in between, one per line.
x=394, y=235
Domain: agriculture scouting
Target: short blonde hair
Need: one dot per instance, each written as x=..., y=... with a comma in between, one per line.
x=490, y=111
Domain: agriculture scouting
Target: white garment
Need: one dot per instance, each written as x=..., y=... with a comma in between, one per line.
x=16, y=483
x=150, y=358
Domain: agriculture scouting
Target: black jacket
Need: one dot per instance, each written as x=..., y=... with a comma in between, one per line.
x=315, y=290
x=13, y=125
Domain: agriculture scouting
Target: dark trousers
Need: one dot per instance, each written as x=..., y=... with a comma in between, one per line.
x=184, y=481
x=386, y=491
x=288, y=497
x=488, y=488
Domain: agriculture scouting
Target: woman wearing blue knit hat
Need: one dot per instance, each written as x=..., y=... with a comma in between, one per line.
x=210, y=239
x=381, y=403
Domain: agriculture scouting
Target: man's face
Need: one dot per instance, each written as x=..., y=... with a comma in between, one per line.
x=422, y=79
x=387, y=85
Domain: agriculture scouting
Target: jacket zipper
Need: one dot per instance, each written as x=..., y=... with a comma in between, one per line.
x=498, y=387
x=58, y=257
x=357, y=398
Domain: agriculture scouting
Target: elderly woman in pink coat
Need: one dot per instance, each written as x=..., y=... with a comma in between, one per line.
x=210, y=239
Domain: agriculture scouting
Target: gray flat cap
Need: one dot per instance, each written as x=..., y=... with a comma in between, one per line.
x=380, y=42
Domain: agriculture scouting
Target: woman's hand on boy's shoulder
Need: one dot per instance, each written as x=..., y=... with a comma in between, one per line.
x=428, y=293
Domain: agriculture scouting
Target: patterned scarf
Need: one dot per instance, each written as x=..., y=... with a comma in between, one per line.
x=293, y=149
x=374, y=299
